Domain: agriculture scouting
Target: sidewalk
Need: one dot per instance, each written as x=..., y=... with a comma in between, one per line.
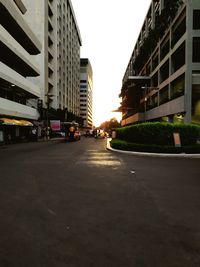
x=26, y=144
x=146, y=154
x=51, y=139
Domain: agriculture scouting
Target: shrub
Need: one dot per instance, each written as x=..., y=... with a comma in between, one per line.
x=123, y=145
x=158, y=133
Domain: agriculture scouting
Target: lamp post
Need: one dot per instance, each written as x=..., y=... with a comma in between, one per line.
x=145, y=108
x=49, y=99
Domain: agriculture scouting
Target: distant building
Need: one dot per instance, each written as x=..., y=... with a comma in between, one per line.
x=86, y=89
x=162, y=79
x=58, y=31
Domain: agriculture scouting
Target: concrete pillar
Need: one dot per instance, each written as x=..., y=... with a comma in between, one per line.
x=153, y=14
x=188, y=57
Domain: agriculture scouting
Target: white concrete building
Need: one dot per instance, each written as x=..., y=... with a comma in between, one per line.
x=68, y=58
x=19, y=47
x=57, y=29
x=86, y=89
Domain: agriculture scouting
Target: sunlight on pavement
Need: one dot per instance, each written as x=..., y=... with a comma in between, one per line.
x=93, y=157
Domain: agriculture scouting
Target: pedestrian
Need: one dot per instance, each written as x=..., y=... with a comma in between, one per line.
x=43, y=133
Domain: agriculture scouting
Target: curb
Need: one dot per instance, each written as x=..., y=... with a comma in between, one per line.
x=146, y=154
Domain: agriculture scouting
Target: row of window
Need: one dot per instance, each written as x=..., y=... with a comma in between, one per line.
x=169, y=92
x=13, y=96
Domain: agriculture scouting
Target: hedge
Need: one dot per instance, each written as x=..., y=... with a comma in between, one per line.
x=158, y=133
x=123, y=145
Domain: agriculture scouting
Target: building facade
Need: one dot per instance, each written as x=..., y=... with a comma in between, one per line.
x=59, y=61
x=68, y=58
x=86, y=89
x=162, y=79
x=19, y=49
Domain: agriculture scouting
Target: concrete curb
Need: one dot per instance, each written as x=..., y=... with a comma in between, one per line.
x=146, y=154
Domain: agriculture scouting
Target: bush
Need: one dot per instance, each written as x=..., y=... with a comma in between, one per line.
x=158, y=133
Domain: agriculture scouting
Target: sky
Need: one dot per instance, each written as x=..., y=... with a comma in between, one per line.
x=109, y=30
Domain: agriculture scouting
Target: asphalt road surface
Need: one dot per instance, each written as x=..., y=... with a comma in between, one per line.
x=79, y=205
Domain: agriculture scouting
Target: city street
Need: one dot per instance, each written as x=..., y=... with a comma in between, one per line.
x=79, y=205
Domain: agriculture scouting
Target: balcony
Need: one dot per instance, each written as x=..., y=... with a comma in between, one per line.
x=13, y=109
x=14, y=56
x=12, y=20
x=9, y=77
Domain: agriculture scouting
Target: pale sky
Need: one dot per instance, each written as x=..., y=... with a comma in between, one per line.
x=109, y=30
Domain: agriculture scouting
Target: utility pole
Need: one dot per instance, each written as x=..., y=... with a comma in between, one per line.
x=49, y=99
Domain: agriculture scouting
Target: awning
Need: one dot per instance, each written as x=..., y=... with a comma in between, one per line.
x=122, y=109
x=25, y=123
x=7, y=121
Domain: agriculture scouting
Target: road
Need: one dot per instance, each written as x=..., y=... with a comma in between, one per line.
x=79, y=205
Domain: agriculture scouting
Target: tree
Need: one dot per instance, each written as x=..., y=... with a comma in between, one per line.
x=110, y=125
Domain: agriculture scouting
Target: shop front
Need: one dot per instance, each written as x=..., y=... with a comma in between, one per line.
x=13, y=131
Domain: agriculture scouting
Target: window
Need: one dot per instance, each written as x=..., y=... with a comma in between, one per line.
x=178, y=31
x=196, y=20
x=164, y=49
x=178, y=87
x=164, y=71
x=155, y=62
x=196, y=50
x=178, y=58
x=164, y=97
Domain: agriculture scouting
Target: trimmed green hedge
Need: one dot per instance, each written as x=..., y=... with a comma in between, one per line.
x=123, y=145
x=158, y=133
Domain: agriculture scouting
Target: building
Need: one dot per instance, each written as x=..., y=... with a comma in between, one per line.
x=86, y=88
x=68, y=58
x=59, y=61
x=162, y=79
x=19, y=47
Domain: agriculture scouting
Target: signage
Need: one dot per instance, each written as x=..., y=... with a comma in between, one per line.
x=55, y=125
x=177, y=140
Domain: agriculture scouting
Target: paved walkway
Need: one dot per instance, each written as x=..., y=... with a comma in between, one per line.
x=146, y=154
